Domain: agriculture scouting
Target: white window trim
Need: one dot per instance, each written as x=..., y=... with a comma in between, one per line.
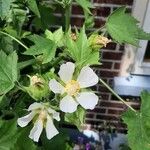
x=141, y=11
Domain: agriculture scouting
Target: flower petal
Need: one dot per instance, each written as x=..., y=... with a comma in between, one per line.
x=66, y=71
x=87, y=77
x=55, y=86
x=68, y=104
x=54, y=114
x=87, y=100
x=51, y=130
x=35, y=106
x=36, y=131
x=23, y=121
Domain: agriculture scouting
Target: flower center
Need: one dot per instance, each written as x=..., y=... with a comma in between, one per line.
x=72, y=88
x=43, y=115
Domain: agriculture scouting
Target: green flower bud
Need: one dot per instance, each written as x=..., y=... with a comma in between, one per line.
x=38, y=88
x=98, y=41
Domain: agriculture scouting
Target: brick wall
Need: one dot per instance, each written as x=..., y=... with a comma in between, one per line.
x=108, y=111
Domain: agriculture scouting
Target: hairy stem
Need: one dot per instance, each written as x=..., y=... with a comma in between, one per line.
x=67, y=16
x=15, y=39
x=113, y=92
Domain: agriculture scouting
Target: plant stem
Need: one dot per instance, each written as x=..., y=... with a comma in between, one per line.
x=113, y=92
x=67, y=16
x=15, y=39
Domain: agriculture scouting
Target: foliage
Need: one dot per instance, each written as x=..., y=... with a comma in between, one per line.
x=139, y=125
x=31, y=52
x=76, y=118
x=8, y=71
x=42, y=46
x=8, y=134
x=123, y=28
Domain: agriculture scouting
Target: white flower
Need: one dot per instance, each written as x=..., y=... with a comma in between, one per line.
x=43, y=116
x=72, y=89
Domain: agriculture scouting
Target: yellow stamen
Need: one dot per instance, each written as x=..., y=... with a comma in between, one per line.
x=72, y=88
x=43, y=115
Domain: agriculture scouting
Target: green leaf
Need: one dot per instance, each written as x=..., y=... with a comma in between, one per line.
x=59, y=142
x=4, y=8
x=23, y=141
x=4, y=102
x=76, y=118
x=56, y=36
x=80, y=50
x=139, y=125
x=26, y=63
x=6, y=44
x=42, y=46
x=85, y=4
x=33, y=6
x=124, y=29
x=19, y=16
x=47, y=18
x=8, y=134
x=8, y=71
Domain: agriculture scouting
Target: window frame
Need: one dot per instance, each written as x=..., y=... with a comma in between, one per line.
x=141, y=11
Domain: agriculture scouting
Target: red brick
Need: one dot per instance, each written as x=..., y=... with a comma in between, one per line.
x=76, y=10
x=111, y=104
x=93, y=122
x=112, y=55
x=99, y=23
x=77, y=21
x=136, y=106
x=106, y=65
x=98, y=110
x=102, y=89
x=108, y=74
x=122, y=47
x=120, y=2
x=117, y=66
x=104, y=96
x=111, y=46
x=115, y=111
x=89, y=115
x=108, y=117
x=101, y=11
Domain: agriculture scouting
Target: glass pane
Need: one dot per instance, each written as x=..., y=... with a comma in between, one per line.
x=147, y=53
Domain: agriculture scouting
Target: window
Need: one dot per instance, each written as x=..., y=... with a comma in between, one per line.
x=135, y=68
x=142, y=56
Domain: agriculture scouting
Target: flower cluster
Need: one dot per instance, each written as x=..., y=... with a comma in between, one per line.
x=73, y=90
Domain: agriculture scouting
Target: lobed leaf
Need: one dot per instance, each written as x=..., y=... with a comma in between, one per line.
x=8, y=71
x=33, y=6
x=4, y=8
x=123, y=28
x=139, y=125
x=42, y=46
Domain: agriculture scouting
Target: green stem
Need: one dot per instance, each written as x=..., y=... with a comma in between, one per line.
x=57, y=60
x=14, y=39
x=113, y=92
x=22, y=65
x=67, y=16
x=20, y=87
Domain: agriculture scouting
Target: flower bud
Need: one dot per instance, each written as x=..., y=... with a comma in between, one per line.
x=38, y=88
x=73, y=36
x=98, y=41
